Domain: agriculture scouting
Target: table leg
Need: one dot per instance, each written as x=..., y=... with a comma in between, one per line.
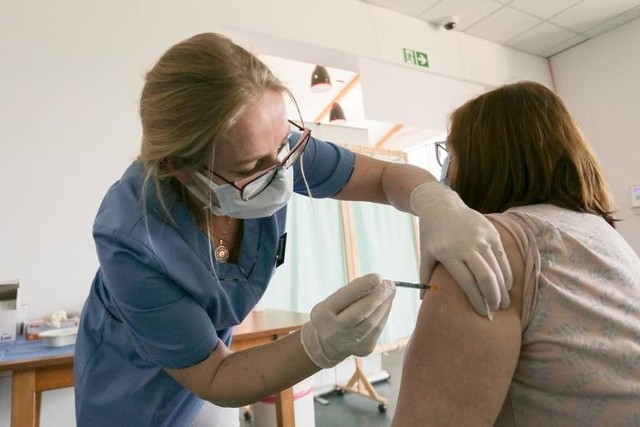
x=36, y=421
x=284, y=408
x=24, y=402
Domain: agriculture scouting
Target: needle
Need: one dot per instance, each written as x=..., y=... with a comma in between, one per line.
x=414, y=285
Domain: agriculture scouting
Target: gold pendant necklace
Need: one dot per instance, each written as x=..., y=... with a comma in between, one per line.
x=221, y=252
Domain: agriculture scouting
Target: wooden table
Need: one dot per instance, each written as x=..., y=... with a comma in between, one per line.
x=261, y=327
x=33, y=375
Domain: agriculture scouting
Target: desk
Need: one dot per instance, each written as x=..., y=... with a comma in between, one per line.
x=35, y=369
x=43, y=369
x=261, y=327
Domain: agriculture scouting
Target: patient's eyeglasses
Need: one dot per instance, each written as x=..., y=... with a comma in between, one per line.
x=442, y=153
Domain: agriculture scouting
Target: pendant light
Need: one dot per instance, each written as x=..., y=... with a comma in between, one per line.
x=320, y=80
x=336, y=115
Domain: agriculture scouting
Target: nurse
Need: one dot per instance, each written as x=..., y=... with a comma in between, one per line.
x=188, y=237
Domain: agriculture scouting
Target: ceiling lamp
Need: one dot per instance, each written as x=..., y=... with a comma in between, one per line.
x=336, y=116
x=320, y=80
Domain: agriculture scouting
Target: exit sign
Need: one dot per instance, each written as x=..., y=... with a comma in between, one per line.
x=415, y=57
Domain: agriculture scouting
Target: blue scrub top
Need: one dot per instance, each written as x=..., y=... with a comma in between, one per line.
x=156, y=303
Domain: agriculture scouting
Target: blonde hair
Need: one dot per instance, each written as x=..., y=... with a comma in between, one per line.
x=519, y=145
x=192, y=96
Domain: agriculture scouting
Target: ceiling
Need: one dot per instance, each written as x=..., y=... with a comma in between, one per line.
x=539, y=27
x=347, y=91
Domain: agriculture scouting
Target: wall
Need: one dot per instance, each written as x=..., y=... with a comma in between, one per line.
x=599, y=81
x=70, y=79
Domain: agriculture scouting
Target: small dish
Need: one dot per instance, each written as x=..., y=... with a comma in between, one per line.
x=59, y=337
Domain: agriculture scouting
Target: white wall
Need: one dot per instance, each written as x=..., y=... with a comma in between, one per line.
x=70, y=76
x=600, y=81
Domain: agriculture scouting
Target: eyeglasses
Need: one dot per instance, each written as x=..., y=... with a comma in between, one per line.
x=256, y=183
x=442, y=153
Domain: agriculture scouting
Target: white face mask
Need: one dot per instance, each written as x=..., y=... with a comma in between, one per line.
x=269, y=201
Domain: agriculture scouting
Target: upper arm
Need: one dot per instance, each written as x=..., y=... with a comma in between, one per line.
x=458, y=365
x=366, y=181
x=324, y=169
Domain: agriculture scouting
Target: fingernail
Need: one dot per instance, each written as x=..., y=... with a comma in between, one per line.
x=489, y=313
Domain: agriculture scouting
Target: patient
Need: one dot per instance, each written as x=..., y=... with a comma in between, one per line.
x=567, y=351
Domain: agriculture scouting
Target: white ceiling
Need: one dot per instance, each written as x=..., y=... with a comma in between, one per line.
x=296, y=76
x=539, y=27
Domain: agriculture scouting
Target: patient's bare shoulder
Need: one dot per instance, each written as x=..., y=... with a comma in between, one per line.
x=459, y=365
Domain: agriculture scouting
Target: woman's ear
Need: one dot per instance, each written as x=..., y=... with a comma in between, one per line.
x=184, y=178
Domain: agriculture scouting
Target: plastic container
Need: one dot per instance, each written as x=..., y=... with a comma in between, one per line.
x=33, y=329
x=264, y=412
x=59, y=337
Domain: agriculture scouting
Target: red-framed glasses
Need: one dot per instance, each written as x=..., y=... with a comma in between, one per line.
x=256, y=183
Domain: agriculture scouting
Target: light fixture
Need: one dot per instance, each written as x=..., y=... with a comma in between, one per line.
x=336, y=115
x=320, y=80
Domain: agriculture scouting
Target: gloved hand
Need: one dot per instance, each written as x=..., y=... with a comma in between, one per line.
x=349, y=321
x=465, y=242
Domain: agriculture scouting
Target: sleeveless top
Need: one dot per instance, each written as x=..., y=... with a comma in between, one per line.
x=580, y=355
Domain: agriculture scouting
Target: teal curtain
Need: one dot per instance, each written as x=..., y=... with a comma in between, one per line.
x=386, y=244
x=315, y=262
x=314, y=265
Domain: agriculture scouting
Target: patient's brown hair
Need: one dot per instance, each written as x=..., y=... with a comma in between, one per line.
x=519, y=145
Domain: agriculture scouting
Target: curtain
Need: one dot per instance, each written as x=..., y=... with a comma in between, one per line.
x=314, y=265
x=384, y=242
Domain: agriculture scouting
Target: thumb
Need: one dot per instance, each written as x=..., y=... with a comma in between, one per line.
x=350, y=293
x=426, y=267
x=363, y=309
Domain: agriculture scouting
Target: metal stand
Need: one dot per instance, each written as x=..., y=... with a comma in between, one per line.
x=361, y=385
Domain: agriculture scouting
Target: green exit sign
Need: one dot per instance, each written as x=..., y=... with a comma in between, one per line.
x=415, y=57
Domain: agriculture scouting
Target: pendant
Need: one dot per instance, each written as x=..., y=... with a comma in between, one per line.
x=221, y=253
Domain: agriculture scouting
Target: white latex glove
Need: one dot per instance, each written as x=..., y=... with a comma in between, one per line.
x=349, y=321
x=466, y=243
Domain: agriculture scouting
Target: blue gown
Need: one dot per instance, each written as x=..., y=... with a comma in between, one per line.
x=156, y=303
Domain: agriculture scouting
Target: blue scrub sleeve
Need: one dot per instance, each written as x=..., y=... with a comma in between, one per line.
x=327, y=168
x=166, y=326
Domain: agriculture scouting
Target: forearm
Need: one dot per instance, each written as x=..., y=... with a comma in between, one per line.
x=246, y=376
x=399, y=180
x=378, y=181
x=347, y=322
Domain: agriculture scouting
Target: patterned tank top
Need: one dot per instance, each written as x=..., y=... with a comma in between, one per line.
x=580, y=356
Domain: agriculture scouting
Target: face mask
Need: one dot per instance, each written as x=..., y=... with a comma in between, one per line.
x=443, y=172
x=272, y=199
